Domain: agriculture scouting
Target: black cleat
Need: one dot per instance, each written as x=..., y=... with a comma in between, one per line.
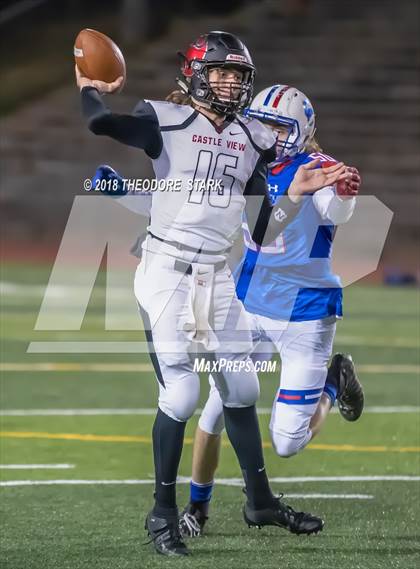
x=350, y=397
x=193, y=519
x=164, y=533
x=282, y=515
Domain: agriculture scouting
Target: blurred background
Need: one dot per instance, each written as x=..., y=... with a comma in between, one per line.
x=84, y=395
x=356, y=60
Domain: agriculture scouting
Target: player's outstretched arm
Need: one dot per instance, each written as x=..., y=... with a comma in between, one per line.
x=337, y=203
x=269, y=221
x=112, y=184
x=140, y=129
x=309, y=178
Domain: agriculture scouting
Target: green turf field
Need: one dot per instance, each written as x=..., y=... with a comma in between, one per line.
x=370, y=523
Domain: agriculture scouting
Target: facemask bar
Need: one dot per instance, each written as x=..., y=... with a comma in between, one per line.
x=284, y=148
x=240, y=93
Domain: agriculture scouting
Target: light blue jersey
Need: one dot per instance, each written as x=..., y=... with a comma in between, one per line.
x=291, y=279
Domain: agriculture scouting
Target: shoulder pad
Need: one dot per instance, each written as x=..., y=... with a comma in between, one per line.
x=245, y=120
x=262, y=135
x=170, y=113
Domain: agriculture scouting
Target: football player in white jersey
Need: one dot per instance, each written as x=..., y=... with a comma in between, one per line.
x=183, y=285
x=293, y=300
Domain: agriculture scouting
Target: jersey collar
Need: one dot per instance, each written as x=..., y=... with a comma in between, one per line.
x=218, y=128
x=279, y=167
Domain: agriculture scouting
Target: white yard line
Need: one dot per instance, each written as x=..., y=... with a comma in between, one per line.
x=75, y=412
x=228, y=482
x=77, y=367
x=35, y=466
x=330, y=496
x=69, y=482
x=146, y=367
x=378, y=341
x=126, y=347
x=84, y=347
x=388, y=368
x=318, y=496
x=21, y=290
x=304, y=479
x=152, y=411
x=386, y=409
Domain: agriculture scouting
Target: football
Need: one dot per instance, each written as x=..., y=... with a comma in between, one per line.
x=98, y=57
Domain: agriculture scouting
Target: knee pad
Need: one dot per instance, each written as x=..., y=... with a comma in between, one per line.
x=212, y=419
x=179, y=398
x=285, y=446
x=239, y=388
x=250, y=393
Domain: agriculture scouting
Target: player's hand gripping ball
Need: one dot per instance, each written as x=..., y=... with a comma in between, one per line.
x=350, y=186
x=99, y=62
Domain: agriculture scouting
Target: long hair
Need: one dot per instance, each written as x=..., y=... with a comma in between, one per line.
x=179, y=98
x=312, y=146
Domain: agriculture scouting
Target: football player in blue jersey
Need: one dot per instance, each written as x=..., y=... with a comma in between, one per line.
x=293, y=300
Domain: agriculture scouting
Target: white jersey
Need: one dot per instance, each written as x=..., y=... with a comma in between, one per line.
x=210, y=173
x=207, y=169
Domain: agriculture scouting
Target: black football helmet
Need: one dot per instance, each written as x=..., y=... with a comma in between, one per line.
x=217, y=49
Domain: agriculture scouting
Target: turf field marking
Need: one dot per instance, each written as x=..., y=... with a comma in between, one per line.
x=383, y=342
x=230, y=482
x=152, y=411
x=226, y=482
x=391, y=368
x=304, y=479
x=146, y=367
x=387, y=409
x=35, y=466
x=328, y=496
x=358, y=448
x=74, y=366
x=141, y=439
x=75, y=412
x=80, y=437
x=126, y=347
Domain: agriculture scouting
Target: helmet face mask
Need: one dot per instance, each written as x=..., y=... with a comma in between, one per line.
x=211, y=92
x=222, y=51
x=284, y=106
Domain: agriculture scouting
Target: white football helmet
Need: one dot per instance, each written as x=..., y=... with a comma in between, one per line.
x=285, y=106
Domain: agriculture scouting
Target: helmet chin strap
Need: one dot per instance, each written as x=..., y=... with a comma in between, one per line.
x=185, y=89
x=183, y=85
x=201, y=104
x=209, y=105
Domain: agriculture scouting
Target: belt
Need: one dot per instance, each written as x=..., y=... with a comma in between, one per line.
x=187, y=267
x=183, y=247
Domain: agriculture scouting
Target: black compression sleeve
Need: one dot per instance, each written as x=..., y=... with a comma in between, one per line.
x=140, y=129
x=282, y=213
x=265, y=221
